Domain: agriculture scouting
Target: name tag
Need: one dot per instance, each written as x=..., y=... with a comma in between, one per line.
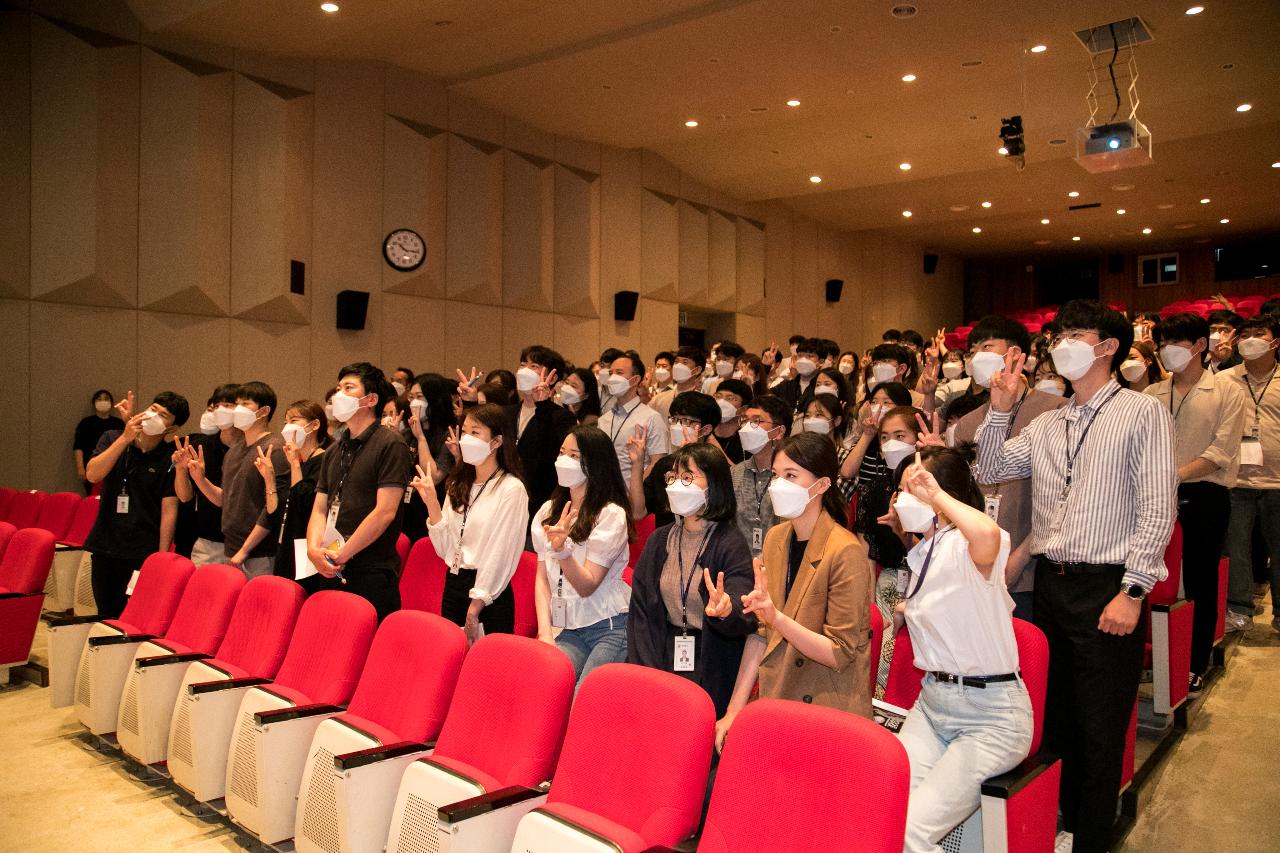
x=559, y=612
x=122, y=504
x=757, y=539
x=1250, y=451
x=133, y=581
x=903, y=578
x=408, y=493
x=991, y=506
x=332, y=521
x=684, y=653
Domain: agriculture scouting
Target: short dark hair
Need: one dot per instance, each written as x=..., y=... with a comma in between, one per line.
x=1262, y=322
x=497, y=394
x=776, y=408
x=996, y=328
x=795, y=339
x=665, y=355
x=501, y=376
x=176, y=405
x=817, y=455
x=900, y=394
x=810, y=345
x=892, y=352
x=1107, y=322
x=828, y=348
x=637, y=363
x=1225, y=316
x=406, y=371
x=544, y=357
x=735, y=386
x=260, y=393
x=963, y=405
x=610, y=353
x=100, y=392
x=695, y=404
x=1271, y=306
x=1182, y=327
x=911, y=336
x=722, y=504
x=695, y=354
x=730, y=349
x=372, y=379
x=892, y=335
x=225, y=393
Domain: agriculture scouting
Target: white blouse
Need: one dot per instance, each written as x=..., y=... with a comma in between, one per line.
x=494, y=534
x=960, y=623
x=606, y=546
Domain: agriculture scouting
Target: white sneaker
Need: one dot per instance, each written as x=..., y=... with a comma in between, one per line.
x=1062, y=844
x=1237, y=622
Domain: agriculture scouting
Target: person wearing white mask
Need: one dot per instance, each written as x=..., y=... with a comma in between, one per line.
x=1256, y=494
x=401, y=379
x=629, y=417
x=798, y=390
x=139, y=508
x=766, y=422
x=723, y=361
x=199, y=533
x=1141, y=368
x=686, y=373
x=601, y=371
x=90, y=430
x=660, y=376
x=895, y=363
x=694, y=417
x=580, y=395
x=731, y=395
x=247, y=526
x=541, y=424
x=811, y=596
x=306, y=436
x=1208, y=420
x=670, y=625
x=581, y=537
x=973, y=718
x=956, y=381
x=1103, y=491
x=1224, y=328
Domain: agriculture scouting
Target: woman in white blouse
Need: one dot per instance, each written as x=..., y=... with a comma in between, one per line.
x=581, y=537
x=479, y=532
x=973, y=718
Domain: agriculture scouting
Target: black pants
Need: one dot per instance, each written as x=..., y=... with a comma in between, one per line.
x=379, y=587
x=110, y=578
x=497, y=618
x=1093, y=683
x=1204, y=509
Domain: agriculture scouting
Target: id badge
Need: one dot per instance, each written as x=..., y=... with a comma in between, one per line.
x=122, y=504
x=757, y=539
x=332, y=522
x=408, y=493
x=559, y=612
x=1250, y=451
x=1058, y=516
x=133, y=581
x=992, y=507
x=685, y=651
x=903, y=579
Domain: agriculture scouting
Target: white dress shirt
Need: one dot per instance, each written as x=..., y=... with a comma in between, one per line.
x=620, y=422
x=493, y=537
x=1207, y=423
x=606, y=546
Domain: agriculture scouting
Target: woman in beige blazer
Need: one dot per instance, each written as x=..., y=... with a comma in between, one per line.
x=815, y=647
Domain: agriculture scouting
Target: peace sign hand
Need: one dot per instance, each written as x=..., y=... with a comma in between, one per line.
x=929, y=437
x=719, y=605
x=546, y=380
x=452, y=443
x=195, y=463
x=770, y=356
x=636, y=445
x=758, y=601
x=394, y=419
x=920, y=483
x=929, y=378
x=264, y=466
x=558, y=533
x=467, y=385
x=1007, y=382
x=423, y=483
x=1226, y=343
x=125, y=407
x=181, y=449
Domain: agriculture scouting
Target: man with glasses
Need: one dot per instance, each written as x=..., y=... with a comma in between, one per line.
x=693, y=417
x=766, y=422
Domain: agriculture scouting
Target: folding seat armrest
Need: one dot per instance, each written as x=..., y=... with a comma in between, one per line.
x=120, y=639
x=488, y=802
x=161, y=660
x=279, y=715
x=229, y=684
x=4, y=595
x=374, y=754
x=64, y=621
x=1006, y=785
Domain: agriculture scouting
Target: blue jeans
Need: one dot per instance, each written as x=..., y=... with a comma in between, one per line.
x=595, y=645
x=1246, y=506
x=956, y=737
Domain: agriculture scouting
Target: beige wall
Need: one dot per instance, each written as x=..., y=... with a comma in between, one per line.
x=154, y=195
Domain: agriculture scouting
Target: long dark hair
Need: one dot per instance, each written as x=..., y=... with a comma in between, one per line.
x=590, y=404
x=604, y=484
x=817, y=455
x=952, y=467
x=463, y=477
x=438, y=392
x=312, y=411
x=722, y=503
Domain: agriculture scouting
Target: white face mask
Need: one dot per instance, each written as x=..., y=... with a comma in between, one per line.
x=878, y=410
x=884, y=372
x=806, y=366
x=1030, y=364
x=895, y=451
x=728, y=411
x=208, y=423
x=399, y=388
x=1132, y=369
x=618, y=385
x=821, y=426
x=102, y=406
x=952, y=369
x=846, y=367
x=677, y=435
x=474, y=450
x=526, y=379
x=344, y=406
x=294, y=434
x=243, y=417
x=1251, y=348
x=419, y=409
x=153, y=424
x=328, y=412
x=913, y=515
x=737, y=374
x=1175, y=358
x=1072, y=359
x=1214, y=339
x=224, y=417
x=984, y=366
x=686, y=500
x=753, y=438
x=1049, y=386
x=789, y=499
x=681, y=372
x=569, y=396
x=661, y=375
x=724, y=368
x=826, y=388
x=569, y=471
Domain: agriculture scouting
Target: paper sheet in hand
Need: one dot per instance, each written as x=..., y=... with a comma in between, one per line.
x=302, y=567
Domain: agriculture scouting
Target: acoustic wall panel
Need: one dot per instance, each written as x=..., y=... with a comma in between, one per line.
x=750, y=261
x=528, y=224
x=577, y=242
x=15, y=155
x=694, y=254
x=164, y=340
x=280, y=355
x=15, y=418
x=722, y=260
x=472, y=337
x=659, y=245
x=413, y=196
x=473, y=256
x=620, y=218
x=413, y=334
x=779, y=309
x=577, y=338
x=520, y=329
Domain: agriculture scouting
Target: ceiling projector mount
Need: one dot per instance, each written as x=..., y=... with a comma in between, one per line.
x=1120, y=140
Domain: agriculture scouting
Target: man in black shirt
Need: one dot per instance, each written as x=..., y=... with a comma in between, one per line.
x=540, y=424
x=139, y=507
x=355, y=521
x=199, y=533
x=90, y=430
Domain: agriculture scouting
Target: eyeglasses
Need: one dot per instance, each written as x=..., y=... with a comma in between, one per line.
x=685, y=477
x=760, y=422
x=681, y=421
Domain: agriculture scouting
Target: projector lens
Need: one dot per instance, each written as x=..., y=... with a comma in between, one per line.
x=1113, y=143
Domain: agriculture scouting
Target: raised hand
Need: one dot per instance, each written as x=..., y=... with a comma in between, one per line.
x=636, y=445
x=719, y=605
x=929, y=377
x=870, y=422
x=452, y=443
x=125, y=407
x=1226, y=343
x=394, y=420
x=181, y=451
x=921, y=484
x=1006, y=383
x=467, y=384
x=546, y=381
x=424, y=484
x=890, y=520
x=758, y=600
x=770, y=356
x=929, y=437
x=195, y=463
x=940, y=342
x=133, y=426
x=292, y=454
x=264, y=466
x=558, y=533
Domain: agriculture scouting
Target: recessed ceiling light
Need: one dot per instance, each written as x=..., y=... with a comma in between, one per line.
x=691, y=123
x=1146, y=230
x=1204, y=201
x=1223, y=221
x=1002, y=151
x=1120, y=212
x=986, y=204
x=1073, y=194
x=1075, y=239
x=1040, y=48
x=793, y=103
x=906, y=214
x=815, y=179
x=1276, y=165
x=329, y=7
x=908, y=78
x=906, y=167
x=1244, y=108
x=1195, y=10
x=1044, y=222
x=977, y=230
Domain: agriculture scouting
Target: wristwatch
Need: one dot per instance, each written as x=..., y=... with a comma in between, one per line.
x=1134, y=591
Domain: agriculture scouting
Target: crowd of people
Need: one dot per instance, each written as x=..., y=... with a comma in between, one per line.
x=1036, y=477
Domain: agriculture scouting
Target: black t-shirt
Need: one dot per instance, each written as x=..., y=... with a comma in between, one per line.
x=90, y=430
x=352, y=473
x=295, y=513
x=795, y=554
x=147, y=479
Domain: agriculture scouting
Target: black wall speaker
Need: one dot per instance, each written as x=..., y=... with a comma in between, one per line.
x=1115, y=264
x=624, y=304
x=834, y=288
x=297, y=277
x=353, y=305
x=930, y=264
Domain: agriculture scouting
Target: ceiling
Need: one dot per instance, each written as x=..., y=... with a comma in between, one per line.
x=631, y=73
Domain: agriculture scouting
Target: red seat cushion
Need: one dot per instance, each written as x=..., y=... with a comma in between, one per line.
x=261, y=625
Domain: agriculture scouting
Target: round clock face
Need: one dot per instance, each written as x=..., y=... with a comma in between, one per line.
x=404, y=249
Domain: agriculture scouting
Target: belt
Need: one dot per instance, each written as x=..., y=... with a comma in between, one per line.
x=1077, y=568
x=974, y=680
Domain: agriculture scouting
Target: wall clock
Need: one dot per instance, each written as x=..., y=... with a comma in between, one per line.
x=404, y=249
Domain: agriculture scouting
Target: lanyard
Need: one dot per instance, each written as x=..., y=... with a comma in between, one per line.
x=1257, y=398
x=760, y=493
x=1013, y=415
x=1066, y=425
x=348, y=462
x=613, y=436
x=467, y=509
x=924, y=569
x=1181, y=405
x=685, y=586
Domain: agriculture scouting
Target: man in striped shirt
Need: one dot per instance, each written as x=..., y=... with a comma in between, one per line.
x=1103, y=487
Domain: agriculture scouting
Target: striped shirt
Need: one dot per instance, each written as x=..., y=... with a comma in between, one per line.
x=1120, y=506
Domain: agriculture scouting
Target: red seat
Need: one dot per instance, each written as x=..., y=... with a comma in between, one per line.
x=81, y=523
x=24, y=568
x=903, y=684
x=6, y=500
x=644, y=529
x=877, y=641
x=328, y=647
x=422, y=582
x=402, y=550
x=57, y=513
x=1168, y=643
x=522, y=587
x=6, y=533
x=818, y=762
x=25, y=508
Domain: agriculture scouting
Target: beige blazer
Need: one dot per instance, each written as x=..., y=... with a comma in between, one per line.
x=830, y=595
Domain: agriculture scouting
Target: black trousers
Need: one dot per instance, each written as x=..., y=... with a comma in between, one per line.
x=380, y=587
x=1093, y=683
x=1204, y=509
x=497, y=618
x=110, y=578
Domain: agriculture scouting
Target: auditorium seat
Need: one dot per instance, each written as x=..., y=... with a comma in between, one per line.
x=159, y=588
x=402, y=550
x=57, y=512
x=1168, y=647
x=644, y=529
x=196, y=631
x=814, y=763
x=83, y=602
x=259, y=627
x=1220, y=629
x=275, y=722
x=6, y=500
x=67, y=555
x=495, y=754
x=205, y=709
x=356, y=759
x=877, y=642
x=24, y=567
x=522, y=588
x=422, y=582
x=6, y=533
x=633, y=769
x=905, y=680
x=25, y=508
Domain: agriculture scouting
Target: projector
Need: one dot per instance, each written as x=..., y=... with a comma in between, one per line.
x=1114, y=146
